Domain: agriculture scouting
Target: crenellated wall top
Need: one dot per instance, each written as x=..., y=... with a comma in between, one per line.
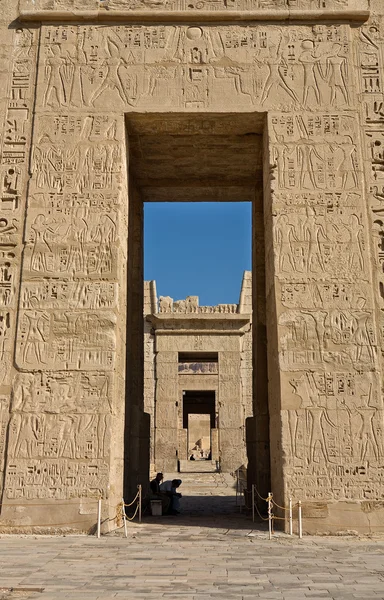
x=195, y=10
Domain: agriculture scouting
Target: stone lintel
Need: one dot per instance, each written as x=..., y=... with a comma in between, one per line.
x=196, y=331
x=200, y=324
x=180, y=16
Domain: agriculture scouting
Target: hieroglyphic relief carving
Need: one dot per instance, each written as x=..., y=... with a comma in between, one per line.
x=59, y=4
x=14, y=153
x=337, y=338
x=58, y=419
x=14, y=159
x=74, y=183
x=316, y=152
x=6, y=330
x=64, y=339
x=328, y=337
x=62, y=294
x=257, y=66
x=370, y=51
x=45, y=479
x=57, y=436
x=62, y=391
x=8, y=266
x=197, y=5
x=322, y=265
x=319, y=294
x=14, y=156
x=78, y=153
x=70, y=245
x=336, y=433
x=312, y=244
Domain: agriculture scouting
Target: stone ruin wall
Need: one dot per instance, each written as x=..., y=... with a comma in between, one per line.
x=314, y=68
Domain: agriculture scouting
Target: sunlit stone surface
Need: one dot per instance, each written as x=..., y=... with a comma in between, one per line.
x=108, y=104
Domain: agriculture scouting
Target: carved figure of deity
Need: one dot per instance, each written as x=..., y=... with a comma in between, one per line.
x=112, y=80
x=276, y=81
x=55, y=90
x=336, y=74
x=310, y=62
x=36, y=338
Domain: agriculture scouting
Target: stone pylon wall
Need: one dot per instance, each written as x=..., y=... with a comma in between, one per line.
x=71, y=72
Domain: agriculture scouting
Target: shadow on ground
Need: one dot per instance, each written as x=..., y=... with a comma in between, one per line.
x=215, y=512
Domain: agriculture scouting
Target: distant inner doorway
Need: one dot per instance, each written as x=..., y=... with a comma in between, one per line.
x=199, y=418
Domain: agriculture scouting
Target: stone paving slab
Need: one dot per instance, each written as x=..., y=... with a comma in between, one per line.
x=207, y=561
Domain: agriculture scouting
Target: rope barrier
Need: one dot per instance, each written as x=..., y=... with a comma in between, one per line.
x=278, y=505
x=134, y=515
x=134, y=500
x=272, y=517
x=260, y=496
x=120, y=513
x=122, y=505
x=261, y=517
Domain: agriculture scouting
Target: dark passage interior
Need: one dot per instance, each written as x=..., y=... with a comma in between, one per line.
x=199, y=403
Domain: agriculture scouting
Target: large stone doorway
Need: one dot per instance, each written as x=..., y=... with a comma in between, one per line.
x=194, y=158
x=71, y=277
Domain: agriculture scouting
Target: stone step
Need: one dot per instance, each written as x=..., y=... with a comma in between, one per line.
x=207, y=493
x=198, y=466
x=206, y=483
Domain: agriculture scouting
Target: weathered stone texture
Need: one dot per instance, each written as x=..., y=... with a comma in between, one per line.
x=80, y=100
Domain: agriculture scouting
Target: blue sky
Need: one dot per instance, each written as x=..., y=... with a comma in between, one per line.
x=198, y=248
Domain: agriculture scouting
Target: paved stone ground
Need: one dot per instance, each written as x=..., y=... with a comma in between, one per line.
x=208, y=552
x=192, y=558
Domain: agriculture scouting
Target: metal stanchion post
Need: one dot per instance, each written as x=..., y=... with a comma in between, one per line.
x=253, y=502
x=98, y=517
x=300, y=521
x=290, y=517
x=124, y=518
x=270, y=514
x=140, y=494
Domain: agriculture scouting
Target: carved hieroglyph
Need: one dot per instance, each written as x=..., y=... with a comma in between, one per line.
x=136, y=66
x=317, y=84
x=102, y=6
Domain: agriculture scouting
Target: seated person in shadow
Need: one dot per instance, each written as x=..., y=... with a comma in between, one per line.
x=155, y=483
x=155, y=493
x=170, y=488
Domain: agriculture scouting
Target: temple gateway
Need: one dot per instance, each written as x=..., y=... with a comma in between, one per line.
x=107, y=104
